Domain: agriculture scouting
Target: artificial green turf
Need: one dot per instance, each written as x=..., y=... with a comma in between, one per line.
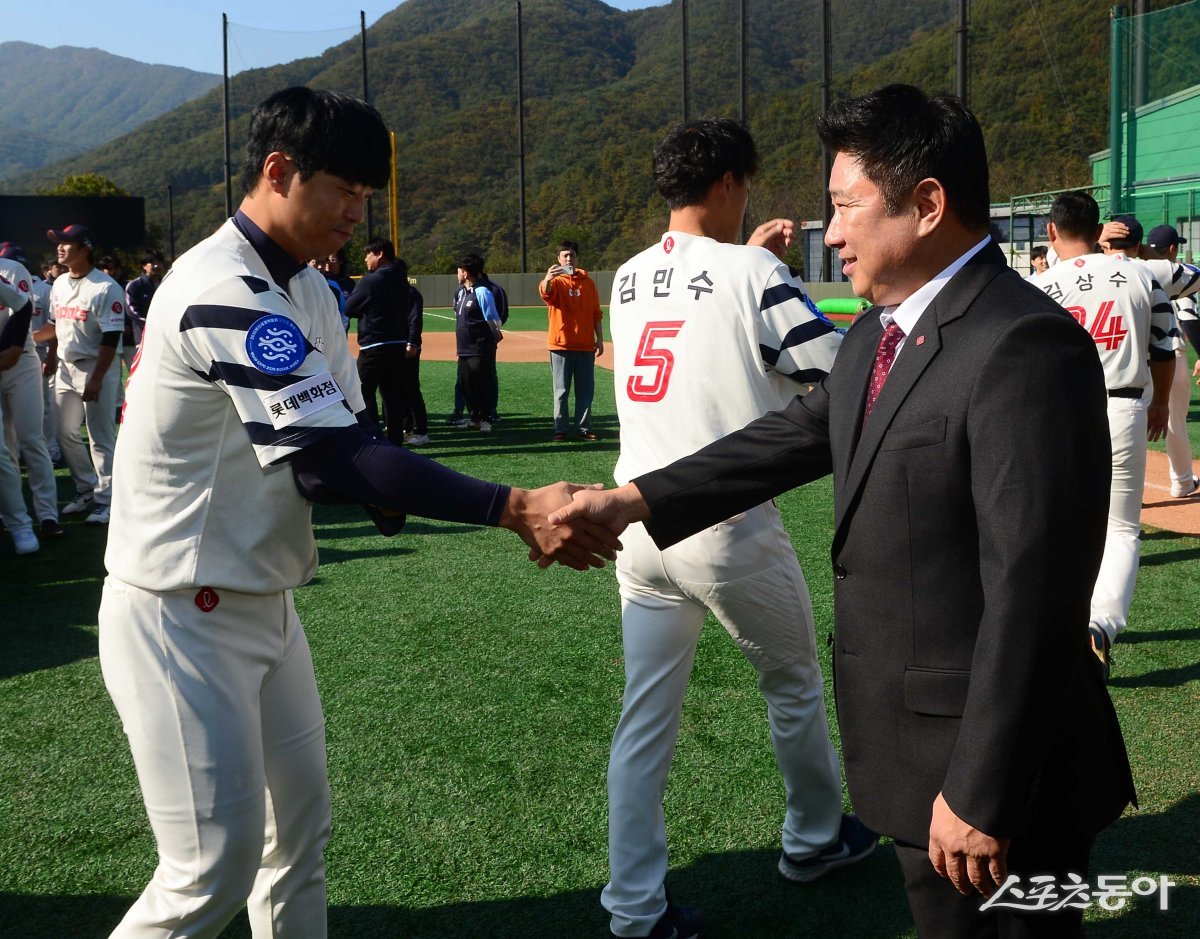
x=470, y=699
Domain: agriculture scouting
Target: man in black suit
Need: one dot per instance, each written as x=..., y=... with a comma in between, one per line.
x=971, y=493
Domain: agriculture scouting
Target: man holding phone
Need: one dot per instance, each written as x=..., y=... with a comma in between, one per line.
x=575, y=337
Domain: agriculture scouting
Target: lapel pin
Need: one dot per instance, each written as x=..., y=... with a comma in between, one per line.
x=920, y=340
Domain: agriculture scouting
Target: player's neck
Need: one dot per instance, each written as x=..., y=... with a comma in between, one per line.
x=1067, y=249
x=701, y=220
x=80, y=270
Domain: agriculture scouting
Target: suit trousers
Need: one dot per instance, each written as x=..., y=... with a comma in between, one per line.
x=225, y=726
x=941, y=912
x=91, y=468
x=1113, y=592
x=573, y=367
x=21, y=389
x=1179, y=447
x=744, y=571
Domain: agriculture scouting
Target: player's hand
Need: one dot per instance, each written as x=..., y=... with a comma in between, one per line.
x=50, y=366
x=775, y=236
x=1157, y=416
x=1112, y=230
x=578, y=544
x=1196, y=371
x=411, y=352
x=91, y=390
x=615, y=509
x=974, y=862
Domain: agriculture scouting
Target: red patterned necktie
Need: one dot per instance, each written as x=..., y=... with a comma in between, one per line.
x=885, y=355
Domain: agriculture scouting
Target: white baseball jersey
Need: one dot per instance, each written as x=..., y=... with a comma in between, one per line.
x=689, y=311
x=1176, y=278
x=1119, y=302
x=235, y=374
x=83, y=309
x=16, y=289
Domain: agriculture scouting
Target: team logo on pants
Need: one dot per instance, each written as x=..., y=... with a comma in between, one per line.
x=207, y=599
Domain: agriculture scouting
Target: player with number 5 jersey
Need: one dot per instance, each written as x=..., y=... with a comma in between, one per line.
x=707, y=336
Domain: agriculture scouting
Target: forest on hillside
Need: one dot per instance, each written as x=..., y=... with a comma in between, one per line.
x=601, y=86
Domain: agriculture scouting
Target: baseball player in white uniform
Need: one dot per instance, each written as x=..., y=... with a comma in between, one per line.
x=242, y=403
x=16, y=308
x=708, y=335
x=1129, y=317
x=21, y=390
x=88, y=310
x=1180, y=282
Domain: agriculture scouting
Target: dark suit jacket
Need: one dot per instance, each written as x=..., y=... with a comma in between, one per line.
x=970, y=522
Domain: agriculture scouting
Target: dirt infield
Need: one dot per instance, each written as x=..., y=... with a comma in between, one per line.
x=1159, y=509
x=523, y=346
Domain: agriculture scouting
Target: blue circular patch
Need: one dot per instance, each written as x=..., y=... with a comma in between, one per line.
x=275, y=345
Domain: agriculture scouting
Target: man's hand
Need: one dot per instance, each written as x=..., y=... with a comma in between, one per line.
x=1196, y=371
x=973, y=861
x=1112, y=230
x=614, y=509
x=775, y=236
x=1157, y=416
x=411, y=352
x=50, y=366
x=91, y=388
x=576, y=543
x=600, y=348
x=551, y=272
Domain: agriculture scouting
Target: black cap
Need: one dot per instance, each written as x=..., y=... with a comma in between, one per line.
x=1163, y=237
x=13, y=253
x=1135, y=231
x=72, y=234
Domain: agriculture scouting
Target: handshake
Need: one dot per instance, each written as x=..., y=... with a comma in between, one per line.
x=578, y=526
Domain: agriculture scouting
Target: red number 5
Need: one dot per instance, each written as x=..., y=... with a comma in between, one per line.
x=654, y=386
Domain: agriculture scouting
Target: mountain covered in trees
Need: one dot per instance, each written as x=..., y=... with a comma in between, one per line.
x=601, y=86
x=56, y=103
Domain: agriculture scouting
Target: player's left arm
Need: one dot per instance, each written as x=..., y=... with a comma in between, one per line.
x=1163, y=332
x=794, y=337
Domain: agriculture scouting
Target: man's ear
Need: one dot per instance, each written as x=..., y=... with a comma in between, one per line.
x=278, y=170
x=1052, y=233
x=929, y=200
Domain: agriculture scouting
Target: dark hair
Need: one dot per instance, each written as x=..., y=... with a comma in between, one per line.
x=400, y=266
x=900, y=136
x=695, y=155
x=567, y=245
x=472, y=264
x=320, y=131
x=152, y=257
x=1076, y=215
x=1038, y=251
x=381, y=246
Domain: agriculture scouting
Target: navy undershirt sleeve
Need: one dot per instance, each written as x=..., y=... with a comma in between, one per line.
x=352, y=465
x=17, y=327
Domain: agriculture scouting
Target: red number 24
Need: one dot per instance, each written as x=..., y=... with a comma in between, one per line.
x=653, y=387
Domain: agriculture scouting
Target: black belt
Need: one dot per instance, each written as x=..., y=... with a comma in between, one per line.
x=1135, y=393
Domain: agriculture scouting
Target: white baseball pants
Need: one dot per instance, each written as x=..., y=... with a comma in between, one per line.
x=1113, y=593
x=225, y=725
x=745, y=571
x=21, y=388
x=12, y=500
x=91, y=468
x=1179, y=447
